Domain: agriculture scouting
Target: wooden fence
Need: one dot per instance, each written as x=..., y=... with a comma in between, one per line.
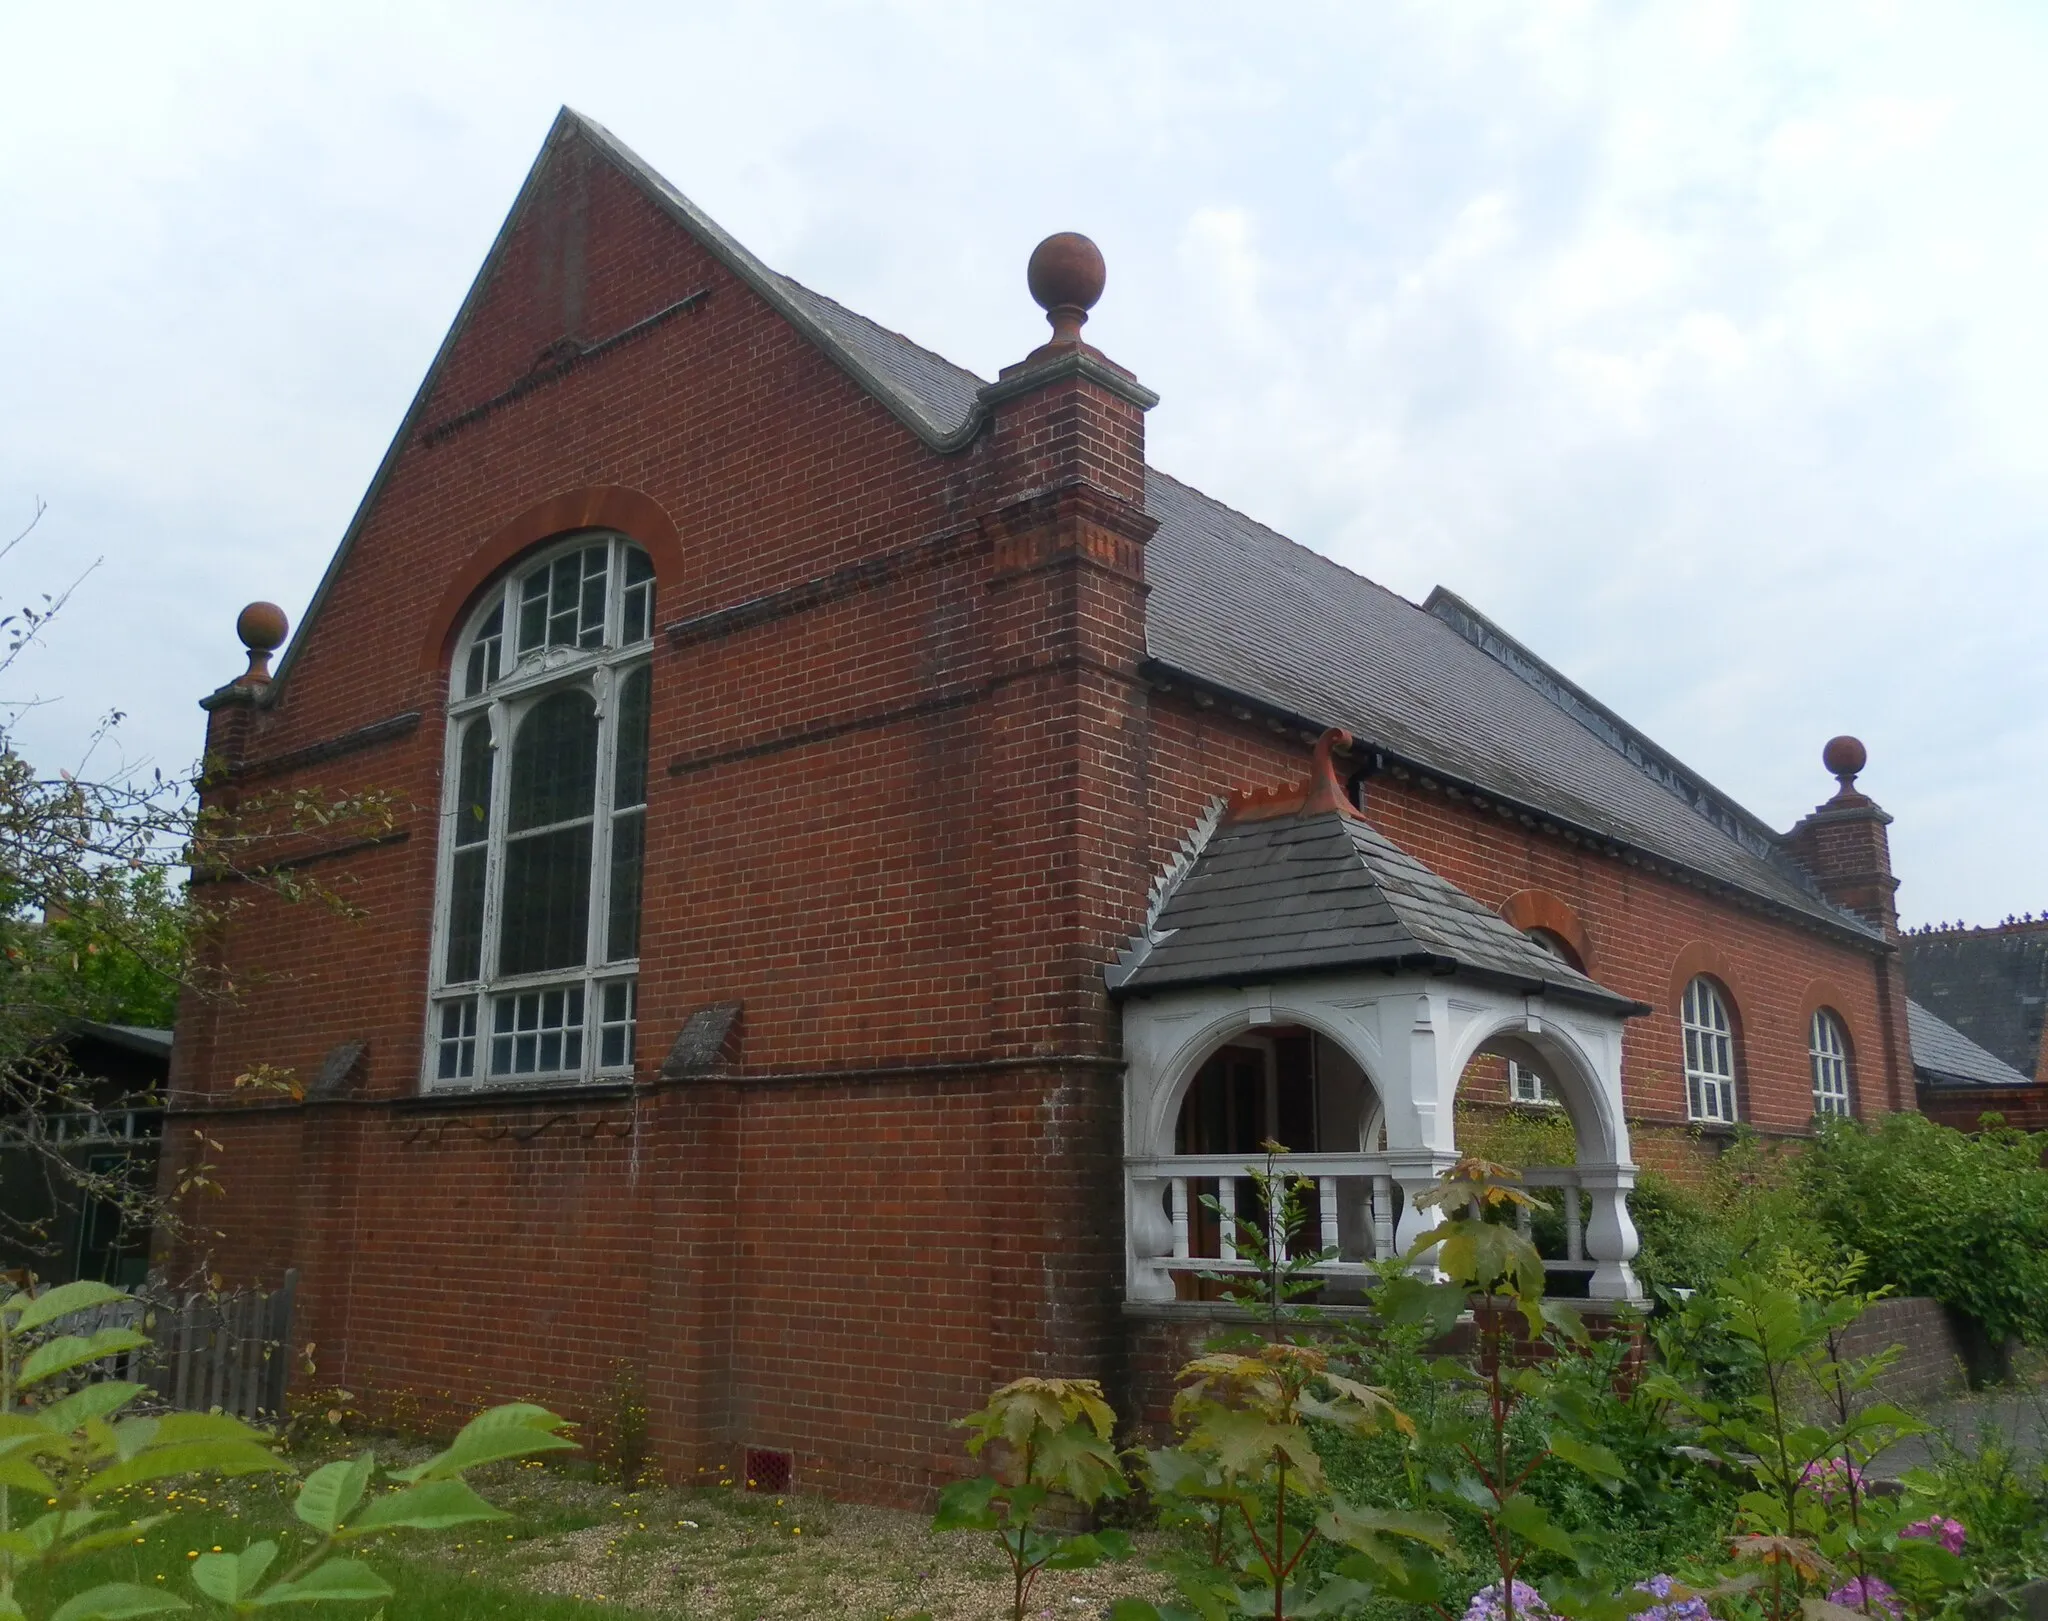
x=230, y=1351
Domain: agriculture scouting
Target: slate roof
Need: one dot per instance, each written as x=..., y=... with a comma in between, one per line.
x=1236, y=605
x=1322, y=891
x=1943, y=1055
x=1990, y=984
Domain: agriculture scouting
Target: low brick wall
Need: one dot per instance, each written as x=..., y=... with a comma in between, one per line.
x=1936, y=1349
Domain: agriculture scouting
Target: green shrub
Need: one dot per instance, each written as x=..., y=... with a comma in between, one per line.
x=1961, y=1218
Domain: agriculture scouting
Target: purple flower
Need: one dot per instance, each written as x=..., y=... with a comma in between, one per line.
x=1486, y=1603
x=1939, y=1528
x=1692, y=1608
x=1872, y=1591
x=1831, y=1478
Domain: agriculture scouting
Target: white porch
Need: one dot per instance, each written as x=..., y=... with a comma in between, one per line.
x=1376, y=1103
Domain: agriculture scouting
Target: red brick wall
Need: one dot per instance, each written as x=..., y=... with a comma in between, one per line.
x=906, y=818
x=1964, y=1107
x=1638, y=925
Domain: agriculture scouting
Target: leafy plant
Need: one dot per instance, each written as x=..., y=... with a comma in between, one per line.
x=1519, y=1416
x=1044, y=1438
x=82, y=1450
x=1961, y=1217
x=1283, y=1267
x=1809, y=1522
x=1248, y=1473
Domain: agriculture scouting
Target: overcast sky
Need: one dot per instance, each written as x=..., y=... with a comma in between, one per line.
x=1702, y=346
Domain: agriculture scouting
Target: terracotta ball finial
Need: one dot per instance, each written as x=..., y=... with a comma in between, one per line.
x=1066, y=276
x=1844, y=756
x=262, y=627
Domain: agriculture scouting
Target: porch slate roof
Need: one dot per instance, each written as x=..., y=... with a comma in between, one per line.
x=1270, y=896
x=1943, y=1055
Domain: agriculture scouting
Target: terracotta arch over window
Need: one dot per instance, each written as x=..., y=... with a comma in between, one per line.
x=1704, y=957
x=613, y=507
x=1539, y=912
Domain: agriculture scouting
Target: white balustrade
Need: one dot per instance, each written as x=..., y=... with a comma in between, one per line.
x=1190, y=1205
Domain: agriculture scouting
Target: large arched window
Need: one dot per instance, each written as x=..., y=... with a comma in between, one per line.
x=1709, y=1053
x=543, y=825
x=1827, y=1045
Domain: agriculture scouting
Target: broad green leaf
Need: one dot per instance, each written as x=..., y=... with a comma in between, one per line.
x=207, y=1427
x=186, y=1458
x=61, y=1301
x=1080, y=1463
x=218, y=1576
x=69, y=1351
x=1088, y=1550
x=330, y=1493
x=119, y=1601
x=232, y=1577
x=432, y=1505
x=1170, y=1470
x=338, y=1579
x=511, y=1431
x=100, y=1400
x=1336, y=1595
x=967, y=1505
x=1133, y=1609
x=16, y=1470
x=1245, y=1443
x=1346, y=1523
x=1566, y=1318
x=1588, y=1457
x=1527, y=1519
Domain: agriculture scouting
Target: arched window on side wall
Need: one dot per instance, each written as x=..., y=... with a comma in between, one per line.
x=537, y=938
x=1827, y=1045
x=1709, y=1053
x=1526, y=1085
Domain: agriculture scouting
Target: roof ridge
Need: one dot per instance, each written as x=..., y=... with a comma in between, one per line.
x=1634, y=745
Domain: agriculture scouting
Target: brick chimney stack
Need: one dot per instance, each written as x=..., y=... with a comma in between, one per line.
x=1844, y=845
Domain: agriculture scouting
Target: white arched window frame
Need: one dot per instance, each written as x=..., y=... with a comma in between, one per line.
x=1827, y=1045
x=1709, y=1054
x=536, y=948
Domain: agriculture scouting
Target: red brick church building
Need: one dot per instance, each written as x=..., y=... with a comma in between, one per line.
x=876, y=853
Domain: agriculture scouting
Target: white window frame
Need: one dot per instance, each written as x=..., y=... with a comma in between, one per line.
x=523, y=681
x=1709, y=1054
x=1527, y=1087
x=1827, y=1047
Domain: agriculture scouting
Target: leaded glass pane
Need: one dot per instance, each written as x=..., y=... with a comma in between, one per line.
x=629, y=849
x=485, y=652
x=637, y=621
x=554, y=762
x=629, y=785
x=618, y=1011
x=544, y=910
x=473, y=783
x=465, y=917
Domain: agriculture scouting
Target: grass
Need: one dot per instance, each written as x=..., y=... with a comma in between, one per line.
x=576, y=1548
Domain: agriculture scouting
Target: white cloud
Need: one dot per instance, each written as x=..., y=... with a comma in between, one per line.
x=1701, y=344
